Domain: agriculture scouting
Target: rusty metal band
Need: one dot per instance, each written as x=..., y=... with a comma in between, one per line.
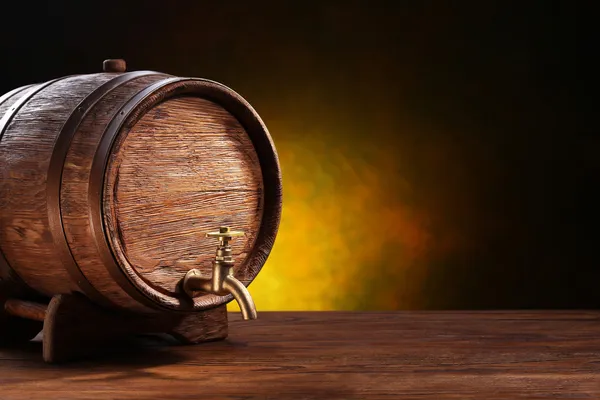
x=96, y=190
x=126, y=117
x=54, y=180
x=5, y=269
x=96, y=186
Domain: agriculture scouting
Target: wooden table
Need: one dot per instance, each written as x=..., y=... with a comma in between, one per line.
x=338, y=355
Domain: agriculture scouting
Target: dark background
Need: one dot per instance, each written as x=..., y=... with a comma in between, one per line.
x=503, y=153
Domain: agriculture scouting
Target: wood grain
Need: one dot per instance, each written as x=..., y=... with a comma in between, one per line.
x=25, y=309
x=25, y=151
x=344, y=355
x=75, y=191
x=6, y=102
x=143, y=103
x=186, y=168
x=9, y=98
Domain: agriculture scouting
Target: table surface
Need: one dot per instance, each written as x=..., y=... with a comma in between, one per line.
x=338, y=355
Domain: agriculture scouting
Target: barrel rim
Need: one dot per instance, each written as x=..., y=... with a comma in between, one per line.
x=129, y=114
x=61, y=148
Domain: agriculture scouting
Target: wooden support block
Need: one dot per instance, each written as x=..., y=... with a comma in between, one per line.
x=75, y=328
x=14, y=330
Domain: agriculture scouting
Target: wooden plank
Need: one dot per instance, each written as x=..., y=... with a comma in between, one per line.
x=341, y=355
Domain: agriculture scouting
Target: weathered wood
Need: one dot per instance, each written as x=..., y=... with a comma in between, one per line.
x=100, y=214
x=157, y=161
x=340, y=355
x=76, y=328
x=200, y=326
x=74, y=196
x=25, y=151
x=25, y=309
x=54, y=179
x=9, y=98
x=186, y=167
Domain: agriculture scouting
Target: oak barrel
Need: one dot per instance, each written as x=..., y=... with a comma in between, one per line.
x=109, y=181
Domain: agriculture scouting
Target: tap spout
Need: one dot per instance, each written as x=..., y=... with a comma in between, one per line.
x=242, y=296
x=221, y=284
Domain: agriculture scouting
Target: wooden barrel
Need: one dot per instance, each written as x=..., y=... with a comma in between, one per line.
x=109, y=181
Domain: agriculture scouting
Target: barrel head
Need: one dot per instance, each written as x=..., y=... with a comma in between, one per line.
x=186, y=167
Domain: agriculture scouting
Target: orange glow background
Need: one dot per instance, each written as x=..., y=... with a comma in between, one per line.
x=365, y=197
x=357, y=230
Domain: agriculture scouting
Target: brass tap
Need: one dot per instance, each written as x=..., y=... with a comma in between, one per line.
x=222, y=281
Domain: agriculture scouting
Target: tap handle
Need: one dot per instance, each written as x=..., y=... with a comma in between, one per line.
x=225, y=234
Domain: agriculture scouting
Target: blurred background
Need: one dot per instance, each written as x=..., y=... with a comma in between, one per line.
x=435, y=154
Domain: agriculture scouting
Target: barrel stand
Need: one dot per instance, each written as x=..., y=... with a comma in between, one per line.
x=73, y=327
